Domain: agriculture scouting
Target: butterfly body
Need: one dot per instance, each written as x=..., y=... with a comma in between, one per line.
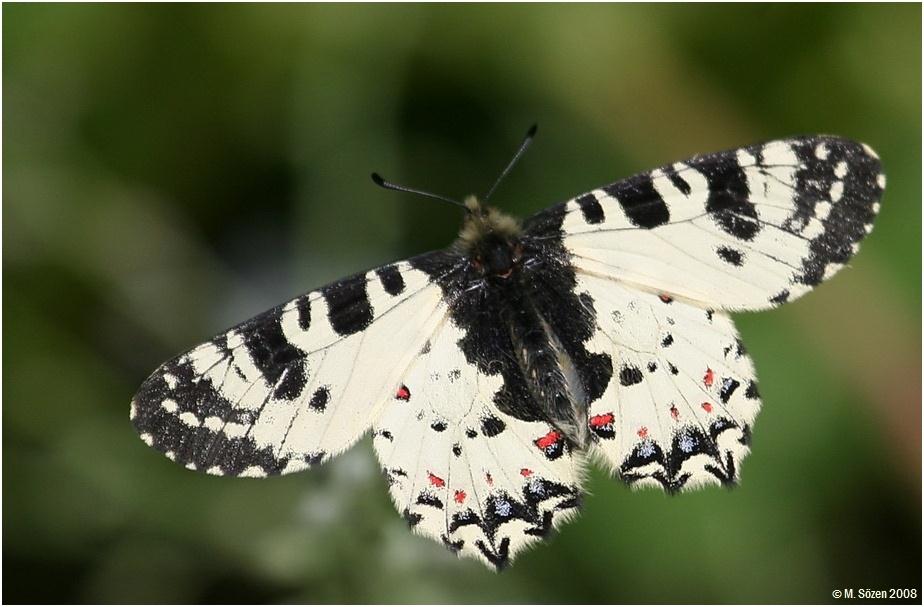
x=490, y=372
x=513, y=290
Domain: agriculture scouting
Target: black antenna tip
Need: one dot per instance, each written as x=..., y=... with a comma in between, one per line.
x=378, y=179
x=532, y=130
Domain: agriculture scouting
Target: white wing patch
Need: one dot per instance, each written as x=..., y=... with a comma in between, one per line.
x=464, y=473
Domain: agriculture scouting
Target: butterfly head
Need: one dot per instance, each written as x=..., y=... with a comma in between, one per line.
x=491, y=240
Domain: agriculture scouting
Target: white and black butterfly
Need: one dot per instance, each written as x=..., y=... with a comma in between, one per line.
x=491, y=371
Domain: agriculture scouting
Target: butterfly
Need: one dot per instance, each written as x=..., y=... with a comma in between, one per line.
x=492, y=371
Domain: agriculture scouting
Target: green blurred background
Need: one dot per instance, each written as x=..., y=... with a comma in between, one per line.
x=171, y=170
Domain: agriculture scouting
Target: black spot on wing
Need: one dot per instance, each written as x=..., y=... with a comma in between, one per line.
x=500, y=557
x=729, y=385
x=412, y=518
x=745, y=435
x=725, y=473
x=630, y=375
x=728, y=201
x=678, y=181
x=349, y=309
x=644, y=453
x=453, y=547
x=273, y=355
x=492, y=426
x=686, y=443
x=427, y=499
x=316, y=458
x=303, y=305
x=391, y=279
x=719, y=426
x=730, y=256
x=319, y=399
x=740, y=349
x=641, y=203
x=462, y=519
x=780, y=298
x=590, y=208
x=543, y=528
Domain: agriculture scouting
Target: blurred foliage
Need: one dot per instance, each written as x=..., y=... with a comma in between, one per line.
x=171, y=170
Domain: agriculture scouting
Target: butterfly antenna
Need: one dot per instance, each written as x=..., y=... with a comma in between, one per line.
x=522, y=150
x=379, y=181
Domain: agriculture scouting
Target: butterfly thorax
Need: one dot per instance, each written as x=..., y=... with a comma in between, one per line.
x=490, y=239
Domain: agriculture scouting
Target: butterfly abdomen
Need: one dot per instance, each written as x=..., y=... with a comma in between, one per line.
x=539, y=356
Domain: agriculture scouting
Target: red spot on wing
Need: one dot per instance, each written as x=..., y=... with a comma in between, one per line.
x=674, y=412
x=525, y=472
x=709, y=377
x=598, y=421
x=435, y=480
x=642, y=432
x=403, y=393
x=707, y=407
x=548, y=440
x=665, y=298
x=459, y=496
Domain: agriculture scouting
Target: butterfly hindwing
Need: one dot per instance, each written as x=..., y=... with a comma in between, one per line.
x=294, y=385
x=745, y=229
x=678, y=412
x=461, y=471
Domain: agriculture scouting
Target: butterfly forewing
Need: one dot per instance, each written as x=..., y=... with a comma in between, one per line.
x=294, y=385
x=744, y=229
